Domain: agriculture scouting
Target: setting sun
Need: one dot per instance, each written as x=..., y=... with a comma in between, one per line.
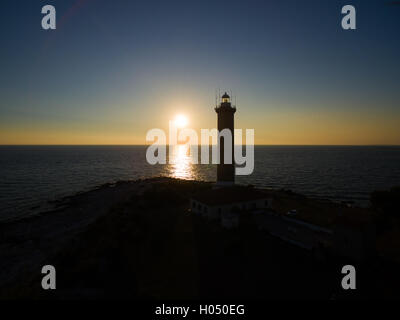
x=181, y=121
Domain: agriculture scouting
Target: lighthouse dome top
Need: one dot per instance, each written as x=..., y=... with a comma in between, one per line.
x=225, y=97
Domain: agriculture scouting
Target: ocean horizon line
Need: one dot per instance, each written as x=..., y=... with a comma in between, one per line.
x=145, y=145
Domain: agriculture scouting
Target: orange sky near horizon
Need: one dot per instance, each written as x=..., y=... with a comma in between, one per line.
x=270, y=129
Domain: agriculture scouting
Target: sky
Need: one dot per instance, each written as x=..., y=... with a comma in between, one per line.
x=112, y=70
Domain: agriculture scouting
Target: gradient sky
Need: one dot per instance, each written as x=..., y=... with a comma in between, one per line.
x=114, y=69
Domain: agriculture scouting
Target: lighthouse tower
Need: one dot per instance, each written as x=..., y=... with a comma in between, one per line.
x=225, y=112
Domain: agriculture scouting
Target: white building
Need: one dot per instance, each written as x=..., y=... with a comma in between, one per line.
x=225, y=204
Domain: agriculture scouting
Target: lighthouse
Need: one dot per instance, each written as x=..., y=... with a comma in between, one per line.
x=225, y=113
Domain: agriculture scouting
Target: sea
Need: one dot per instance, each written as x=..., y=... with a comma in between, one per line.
x=32, y=177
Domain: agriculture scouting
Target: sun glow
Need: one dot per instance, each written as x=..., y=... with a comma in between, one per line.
x=181, y=121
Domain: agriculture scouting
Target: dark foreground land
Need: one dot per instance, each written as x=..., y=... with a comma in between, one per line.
x=138, y=240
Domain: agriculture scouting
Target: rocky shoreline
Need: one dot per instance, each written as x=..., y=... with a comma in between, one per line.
x=137, y=239
x=32, y=239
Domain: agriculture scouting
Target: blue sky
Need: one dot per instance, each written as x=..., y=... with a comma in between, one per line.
x=114, y=69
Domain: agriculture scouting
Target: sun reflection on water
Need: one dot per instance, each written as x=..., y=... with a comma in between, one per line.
x=181, y=165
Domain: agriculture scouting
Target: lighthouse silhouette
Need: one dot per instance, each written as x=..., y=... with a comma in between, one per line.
x=225, y=112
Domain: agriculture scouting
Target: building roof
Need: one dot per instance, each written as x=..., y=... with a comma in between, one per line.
x=225, y=96
x=227, y=195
